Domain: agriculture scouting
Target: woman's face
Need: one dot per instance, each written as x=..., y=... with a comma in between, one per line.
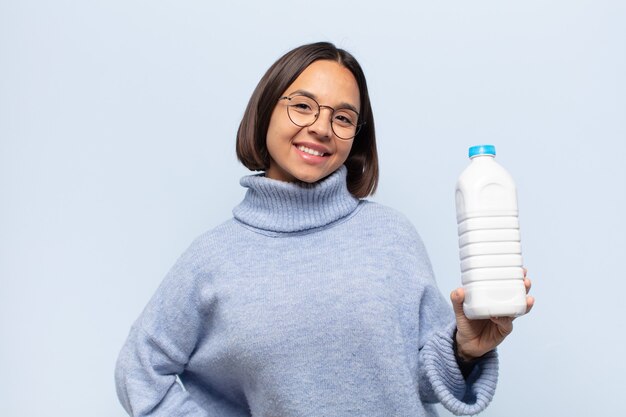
x=311, y=153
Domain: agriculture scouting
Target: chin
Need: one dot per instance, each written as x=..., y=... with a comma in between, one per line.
x=312, y=178
x=309, y=179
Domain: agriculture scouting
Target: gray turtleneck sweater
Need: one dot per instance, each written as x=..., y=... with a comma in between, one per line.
x=309, y=302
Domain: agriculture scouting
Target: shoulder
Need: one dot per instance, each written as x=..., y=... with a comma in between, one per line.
x=390, y=225
x=390, y=232
x=217, y=234
x=193, y=272
x=386, y=217
x=211, y=241
x=204, y=251
x=384, y=213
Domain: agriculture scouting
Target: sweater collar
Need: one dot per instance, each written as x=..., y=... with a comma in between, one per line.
x=283, y=207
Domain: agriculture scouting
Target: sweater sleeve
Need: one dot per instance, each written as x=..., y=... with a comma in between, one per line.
x=160, y=343
x=439, y=376
x=441, y=379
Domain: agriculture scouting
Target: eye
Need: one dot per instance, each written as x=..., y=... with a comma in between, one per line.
x=303, y=105
x=345, y=117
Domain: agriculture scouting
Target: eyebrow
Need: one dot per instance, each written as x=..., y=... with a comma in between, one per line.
x=308, y=94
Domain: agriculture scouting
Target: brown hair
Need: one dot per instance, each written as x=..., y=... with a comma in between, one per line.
x=362, y=163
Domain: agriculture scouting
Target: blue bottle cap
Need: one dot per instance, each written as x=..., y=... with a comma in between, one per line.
x=482, y=150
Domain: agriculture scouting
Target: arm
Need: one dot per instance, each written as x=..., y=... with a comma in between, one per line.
x=438, y=373
x=160, y=343
x=440, y=378
x=146, y=378
x=461, y=340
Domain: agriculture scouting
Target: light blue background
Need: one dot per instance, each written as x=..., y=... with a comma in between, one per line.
x=117, y=127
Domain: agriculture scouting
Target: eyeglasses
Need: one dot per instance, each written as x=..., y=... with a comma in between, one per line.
x=303, y=111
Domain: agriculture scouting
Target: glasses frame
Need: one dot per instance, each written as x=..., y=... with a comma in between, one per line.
x=317, y=115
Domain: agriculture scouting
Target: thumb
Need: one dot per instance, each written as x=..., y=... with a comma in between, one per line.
x=457, y=297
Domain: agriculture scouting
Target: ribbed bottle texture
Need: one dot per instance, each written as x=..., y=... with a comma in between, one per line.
x=489, y=238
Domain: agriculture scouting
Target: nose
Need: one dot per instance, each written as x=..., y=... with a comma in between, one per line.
x=322, y=126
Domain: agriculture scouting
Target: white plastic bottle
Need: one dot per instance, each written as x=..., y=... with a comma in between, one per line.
x=489, y=238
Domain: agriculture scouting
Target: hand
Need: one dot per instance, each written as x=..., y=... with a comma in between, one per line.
x=474, y=338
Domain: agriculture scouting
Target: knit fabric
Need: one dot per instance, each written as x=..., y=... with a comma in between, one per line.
x=309, y=302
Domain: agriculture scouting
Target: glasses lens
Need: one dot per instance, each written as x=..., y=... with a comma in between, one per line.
x=302, y=110
x=345, y=123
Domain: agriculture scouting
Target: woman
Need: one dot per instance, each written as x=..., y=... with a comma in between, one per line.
x=310, y=301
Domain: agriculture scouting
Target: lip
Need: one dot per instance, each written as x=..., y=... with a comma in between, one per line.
x=315, y=146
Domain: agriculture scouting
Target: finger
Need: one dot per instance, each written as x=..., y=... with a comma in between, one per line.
x=505, y=324
x=530, y=302
x=501, y=320
x=457, y=297
x=528, y=284
x=525, y=271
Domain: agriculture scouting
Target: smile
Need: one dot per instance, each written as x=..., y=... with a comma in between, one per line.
x=310, y=151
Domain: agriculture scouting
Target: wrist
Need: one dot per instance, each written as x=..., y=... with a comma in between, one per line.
x=465, y=362
x=459, y=353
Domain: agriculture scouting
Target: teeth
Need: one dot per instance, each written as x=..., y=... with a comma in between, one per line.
x=310, y=151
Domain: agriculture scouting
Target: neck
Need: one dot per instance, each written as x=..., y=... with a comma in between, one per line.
x=282, y=207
